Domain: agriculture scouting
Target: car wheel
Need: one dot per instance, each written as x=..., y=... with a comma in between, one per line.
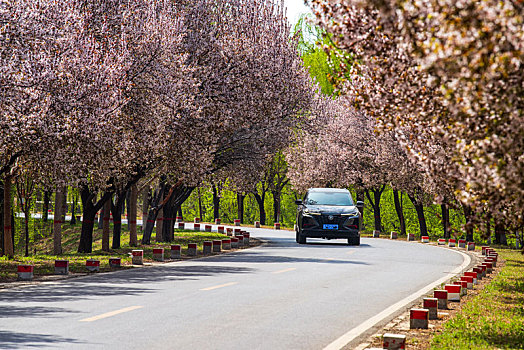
x=300, y=238
x=354, y=241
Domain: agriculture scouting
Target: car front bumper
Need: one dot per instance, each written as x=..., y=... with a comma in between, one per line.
x=320, y=233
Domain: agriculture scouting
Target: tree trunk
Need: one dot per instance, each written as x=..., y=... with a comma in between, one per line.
x=180, y=192
x=101, y=218
x=152, y=214
x=159, y=224
x=45, y=209
x=276, y=206
x=73, y=211
x=117, y=210
x=26, y=222
x=169, y=212
x=200, y=211
x=445, y=219
x=468, y=215
x=500, y=231
x=261, y=208
x=133, y=203
x=145, y=207
x=216, y=203
x=400, y=212
x=377, y=193
x=57, y=227
x=8, y=229
x=240, y=207
x=105, y=226
x=89, y=210
x=419, y=207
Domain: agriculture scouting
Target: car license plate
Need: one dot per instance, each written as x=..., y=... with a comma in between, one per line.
x=330, y=227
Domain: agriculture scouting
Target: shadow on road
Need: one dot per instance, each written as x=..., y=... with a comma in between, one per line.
x=122, y=283
x=12, y=340
x=31, y=311
x=261, y=257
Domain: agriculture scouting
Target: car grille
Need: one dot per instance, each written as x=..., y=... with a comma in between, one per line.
x=337, y=219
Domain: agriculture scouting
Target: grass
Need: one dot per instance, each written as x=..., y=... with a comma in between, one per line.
x=43, y=259
x=495, y=318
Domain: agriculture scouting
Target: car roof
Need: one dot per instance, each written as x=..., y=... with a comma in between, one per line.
x=328, y=190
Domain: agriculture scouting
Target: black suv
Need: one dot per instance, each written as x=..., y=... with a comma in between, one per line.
x=328, y=213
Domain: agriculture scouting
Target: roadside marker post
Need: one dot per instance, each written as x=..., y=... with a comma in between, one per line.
x=229, y=231
x=178, y=219
x=441, y=241
x=181, y=225
x=61, y=267
x=376, y=234
x=217, y=221
x=115, y=263
x=240, y=240
x=471, y=274
x=257, y=224
x=246, y=238
x=452, y=242
x=393, y=341
x=25, y=272
x=425, y=239
x=234, y=242
x=176, y=251
x=237, y=222
x=471, y=246
x=207, y=228
x=393, y=235
x=484, y=249
x=431, y=304
x=469, y=281
x=418, y=318
x=206, y=247
x=276, y=226
x=478, y=271
x=453, y=292
x=196, y=227
x=137, y=257
x=442, y=296
x=220, y=229
x=462, y=243
x=196, y=220
x=411, y=237
x=192, y=249
x=217, y=246
x=158, y=254
x=226, y=244
x=93, y=265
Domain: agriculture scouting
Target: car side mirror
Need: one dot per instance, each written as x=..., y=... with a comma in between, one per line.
x=360, y=204
x=298, y=202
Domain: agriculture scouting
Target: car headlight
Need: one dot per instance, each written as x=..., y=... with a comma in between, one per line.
x=308, y=212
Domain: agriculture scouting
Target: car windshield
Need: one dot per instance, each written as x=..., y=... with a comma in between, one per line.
x=328, y=198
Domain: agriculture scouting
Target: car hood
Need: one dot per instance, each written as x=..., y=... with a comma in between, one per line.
x=331, y=209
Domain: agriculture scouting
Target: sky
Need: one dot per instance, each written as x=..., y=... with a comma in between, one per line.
x=295, y=8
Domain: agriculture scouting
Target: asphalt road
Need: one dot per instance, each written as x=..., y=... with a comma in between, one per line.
x=277, y=296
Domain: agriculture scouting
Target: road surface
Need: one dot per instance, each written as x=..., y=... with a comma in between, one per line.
x=280, y=295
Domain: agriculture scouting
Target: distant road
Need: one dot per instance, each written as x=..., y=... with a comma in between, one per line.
x=278, y=296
